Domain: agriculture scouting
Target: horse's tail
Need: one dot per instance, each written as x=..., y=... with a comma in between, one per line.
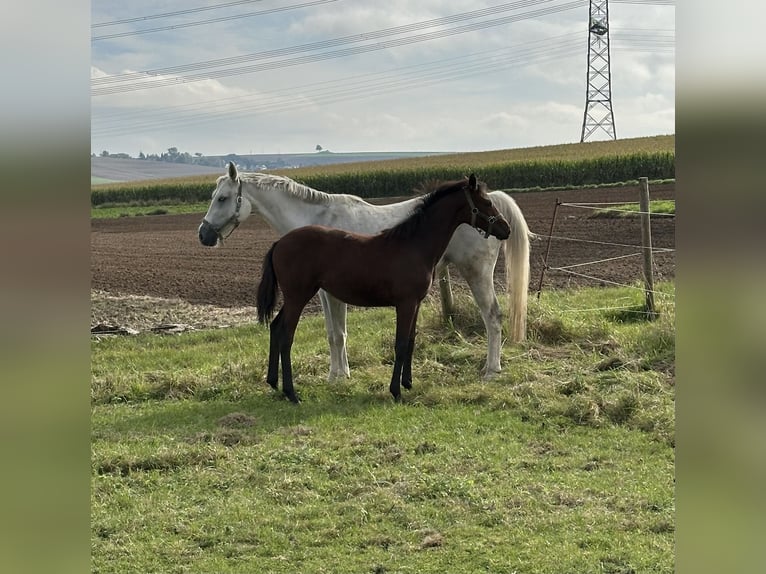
x=267, y=289
x=516, y=252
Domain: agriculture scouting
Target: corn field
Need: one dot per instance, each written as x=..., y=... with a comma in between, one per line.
x=563, y=166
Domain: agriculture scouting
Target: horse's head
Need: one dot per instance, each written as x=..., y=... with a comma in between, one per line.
x=227, y=209
x=484, y=215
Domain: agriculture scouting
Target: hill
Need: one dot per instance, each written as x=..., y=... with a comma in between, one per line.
x=105, y=170
x=110, y=169
x=117, y=169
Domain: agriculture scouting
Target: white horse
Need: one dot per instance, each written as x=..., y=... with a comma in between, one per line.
x=287, y=204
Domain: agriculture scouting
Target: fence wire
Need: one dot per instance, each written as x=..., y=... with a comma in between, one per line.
x=568, y=268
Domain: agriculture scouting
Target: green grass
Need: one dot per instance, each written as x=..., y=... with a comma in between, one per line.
x=658, y=207
x=563, y=463
x=113, y=211
x=108, y=211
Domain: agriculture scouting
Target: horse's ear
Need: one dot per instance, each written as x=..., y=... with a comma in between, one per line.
x=472, y=182
x=232, y=171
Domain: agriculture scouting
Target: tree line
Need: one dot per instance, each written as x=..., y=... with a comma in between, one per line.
x=175, y=156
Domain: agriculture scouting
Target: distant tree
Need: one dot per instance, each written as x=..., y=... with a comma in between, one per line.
x=318, y=148
x=141, y=155
x=104, y=153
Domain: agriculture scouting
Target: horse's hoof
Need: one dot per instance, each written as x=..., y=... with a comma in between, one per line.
x=272, y=384
x=293, y=398
x=489, y=375
x=407, y=384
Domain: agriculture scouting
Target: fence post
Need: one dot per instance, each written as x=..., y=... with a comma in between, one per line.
x=646, y=244
x=548, y=248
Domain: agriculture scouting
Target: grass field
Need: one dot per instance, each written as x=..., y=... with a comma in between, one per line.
x=113, y=211
x=585, y=164
x=659, y=207
x=108, y=211
x=564, y=463
x=472, y=160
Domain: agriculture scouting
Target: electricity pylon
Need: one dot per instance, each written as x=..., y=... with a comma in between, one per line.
x=598, y=94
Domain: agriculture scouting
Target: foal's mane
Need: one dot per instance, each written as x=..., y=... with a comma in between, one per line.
x=435, y=191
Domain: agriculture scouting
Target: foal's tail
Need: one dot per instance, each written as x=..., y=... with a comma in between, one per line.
x=267, y=289
x=516, y=252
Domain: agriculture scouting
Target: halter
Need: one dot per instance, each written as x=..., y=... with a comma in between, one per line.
x=475, y=212
x=234, y=217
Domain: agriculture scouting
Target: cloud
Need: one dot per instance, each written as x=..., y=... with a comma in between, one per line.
x=652, y=113
x=505, y=121
x=177, y=94
x=529, y=91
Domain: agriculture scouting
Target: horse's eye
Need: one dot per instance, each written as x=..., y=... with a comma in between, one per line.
x=222, y=198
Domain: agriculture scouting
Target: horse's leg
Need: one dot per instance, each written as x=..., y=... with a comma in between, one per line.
x=407, y=368
x=335, y=322
x=290, y=320
x=324, y=299
x=445, y=290
x=479, y=276
x=275, y=330
x=405, y=316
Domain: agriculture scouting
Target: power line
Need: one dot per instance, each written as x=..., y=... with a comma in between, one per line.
x=343, y=89
x=646, y=2
x=241, y=2
x=413, y=69
x=171, y=14
x=338, y=90
x=152, y=82
x=210, y=20
x=647, y=40
x=661, y=42
x=318, y=45
x=356, y=87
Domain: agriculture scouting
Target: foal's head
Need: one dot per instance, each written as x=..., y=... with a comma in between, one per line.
x=474, y=208
x=227, y=209
x=482, y=212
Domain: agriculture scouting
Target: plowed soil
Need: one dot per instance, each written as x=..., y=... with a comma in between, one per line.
x=160, y=256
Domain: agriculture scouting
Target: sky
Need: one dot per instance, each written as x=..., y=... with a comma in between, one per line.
x=286, y=76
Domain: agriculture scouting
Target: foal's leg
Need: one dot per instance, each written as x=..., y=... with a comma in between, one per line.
x=407, y=368
x=275, y=329
x=405, y=315
x=292, y=315
x=335, y=322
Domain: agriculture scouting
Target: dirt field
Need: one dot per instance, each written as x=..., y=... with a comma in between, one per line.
x=139, y=259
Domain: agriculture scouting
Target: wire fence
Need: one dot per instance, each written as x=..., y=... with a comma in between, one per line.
x=574, y=268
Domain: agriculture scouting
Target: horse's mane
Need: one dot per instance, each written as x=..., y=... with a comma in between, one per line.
x=434, y=191
x=292, y=187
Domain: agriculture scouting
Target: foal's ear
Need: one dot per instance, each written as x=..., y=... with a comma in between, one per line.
x=472, y=185
x=232, y=171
